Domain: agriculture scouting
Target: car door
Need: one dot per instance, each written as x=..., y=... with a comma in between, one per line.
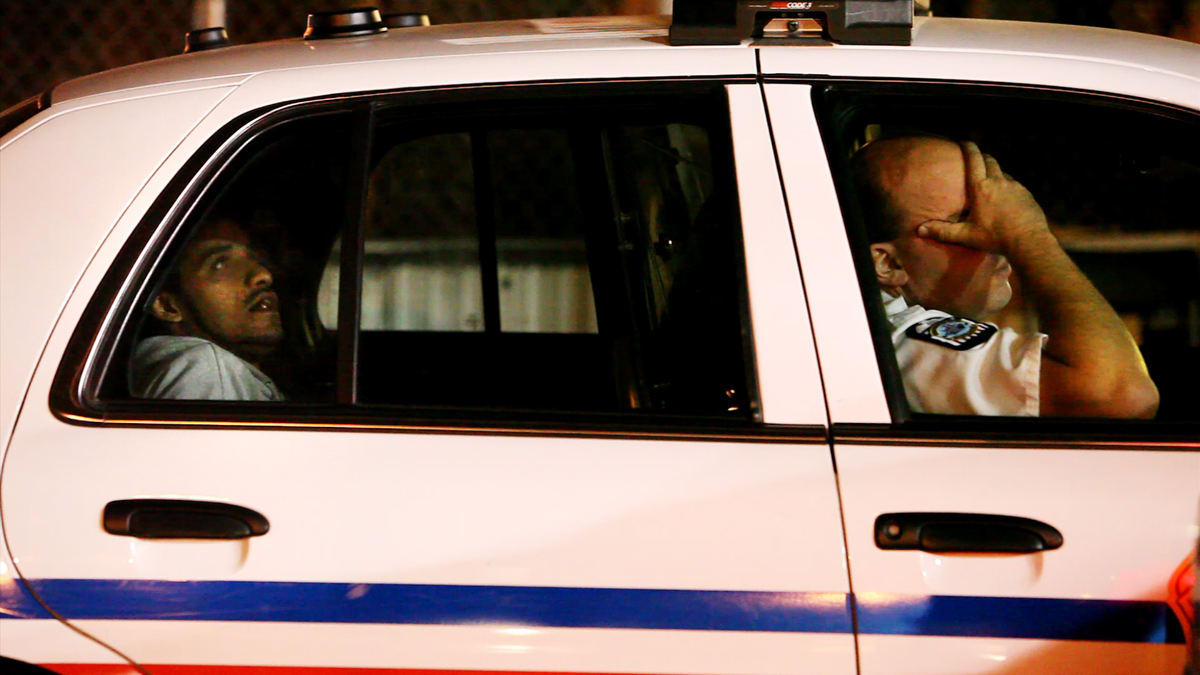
x=555, y=403
x=1122, y=495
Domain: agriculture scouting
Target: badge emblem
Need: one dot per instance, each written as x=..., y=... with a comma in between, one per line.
x=952, y=332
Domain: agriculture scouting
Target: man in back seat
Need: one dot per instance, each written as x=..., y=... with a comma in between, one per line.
x=218, y=315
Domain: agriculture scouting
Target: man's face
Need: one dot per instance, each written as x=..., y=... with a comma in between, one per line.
x=925, y=179
x=227, y=292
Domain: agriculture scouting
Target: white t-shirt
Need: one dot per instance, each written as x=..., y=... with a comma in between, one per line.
x=181, y=367
x=958, y=366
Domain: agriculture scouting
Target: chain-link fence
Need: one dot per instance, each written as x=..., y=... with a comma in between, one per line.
x=43, y=42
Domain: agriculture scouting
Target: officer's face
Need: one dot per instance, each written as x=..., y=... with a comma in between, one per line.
x=227, y=294
x=926, y=180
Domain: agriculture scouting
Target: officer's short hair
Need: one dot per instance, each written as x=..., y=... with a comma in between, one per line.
x=882, y=218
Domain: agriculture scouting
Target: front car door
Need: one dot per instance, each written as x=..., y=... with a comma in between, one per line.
x=1115, y=175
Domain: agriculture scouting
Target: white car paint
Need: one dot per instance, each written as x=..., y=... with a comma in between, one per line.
x=376, y=510
x=60, y=173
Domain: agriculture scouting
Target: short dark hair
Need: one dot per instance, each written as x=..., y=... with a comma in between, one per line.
x=227, y=210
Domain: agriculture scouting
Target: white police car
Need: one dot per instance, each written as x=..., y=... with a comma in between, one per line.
x=580, y=373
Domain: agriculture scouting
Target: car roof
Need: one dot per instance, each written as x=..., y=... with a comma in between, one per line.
x=566, y=35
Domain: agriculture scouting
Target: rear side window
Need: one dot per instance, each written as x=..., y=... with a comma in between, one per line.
x=538, y=256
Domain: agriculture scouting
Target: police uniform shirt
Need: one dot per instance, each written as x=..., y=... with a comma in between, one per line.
x=958, y=366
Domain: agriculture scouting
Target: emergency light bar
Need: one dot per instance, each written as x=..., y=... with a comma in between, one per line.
x=851, y=22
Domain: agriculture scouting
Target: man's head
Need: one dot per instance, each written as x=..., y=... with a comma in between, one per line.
x=222, y=291
x=912, y=180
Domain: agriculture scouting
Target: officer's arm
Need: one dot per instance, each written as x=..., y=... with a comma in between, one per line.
x=1092, y=366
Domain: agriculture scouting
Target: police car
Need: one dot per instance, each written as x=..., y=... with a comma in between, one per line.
x=583, y=368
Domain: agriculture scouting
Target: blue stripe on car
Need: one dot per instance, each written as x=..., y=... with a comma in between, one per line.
x=1037, y=618
x=964, y=616
x=447, y=604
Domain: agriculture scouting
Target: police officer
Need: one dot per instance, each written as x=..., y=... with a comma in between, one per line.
x=948, y=230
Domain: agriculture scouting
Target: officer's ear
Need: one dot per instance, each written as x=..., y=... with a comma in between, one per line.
x=888, y=269
x=166, y=307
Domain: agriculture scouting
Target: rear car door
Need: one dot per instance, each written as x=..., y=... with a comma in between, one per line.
x=1122, y=494
x=551, y=405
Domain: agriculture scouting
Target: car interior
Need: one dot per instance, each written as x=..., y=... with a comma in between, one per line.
x=507, y=261
x=1116, y=179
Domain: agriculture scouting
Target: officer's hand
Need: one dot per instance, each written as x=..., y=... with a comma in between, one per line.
x=1001, y=212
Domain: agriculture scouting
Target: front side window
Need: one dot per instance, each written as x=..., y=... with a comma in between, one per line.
x=522, y=255
x=1025, y=254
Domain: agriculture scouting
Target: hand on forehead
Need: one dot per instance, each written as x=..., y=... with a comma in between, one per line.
x=923, y=177
x=979, y=165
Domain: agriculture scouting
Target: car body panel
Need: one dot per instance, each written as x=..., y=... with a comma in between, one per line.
x=496, y=548
x=946, y=655
x=983, y=42
x=470, y=649
x=853, y=391
x=90, y=192
x=50, y=641
x=464, y=53
x=786, y=372
x=1022, y=53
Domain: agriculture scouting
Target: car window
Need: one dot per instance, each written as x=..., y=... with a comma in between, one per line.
x=543, y=256
x=230, y=313
x=1115, y=181
x=543, y=249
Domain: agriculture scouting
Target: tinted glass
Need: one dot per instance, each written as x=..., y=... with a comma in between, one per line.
x=540, y=257
x=580, y=259
x=1115, y=182
x=232, y=313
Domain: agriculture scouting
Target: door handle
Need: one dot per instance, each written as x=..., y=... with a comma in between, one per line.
x=964, y=533
x=182, y=519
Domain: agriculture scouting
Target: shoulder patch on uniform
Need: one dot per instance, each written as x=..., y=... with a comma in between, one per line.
x=953, y=332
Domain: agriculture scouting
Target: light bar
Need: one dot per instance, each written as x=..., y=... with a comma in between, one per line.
x=851, y=22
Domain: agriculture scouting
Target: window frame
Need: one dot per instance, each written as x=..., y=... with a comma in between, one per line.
x=911, y=428
x=75, y=395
